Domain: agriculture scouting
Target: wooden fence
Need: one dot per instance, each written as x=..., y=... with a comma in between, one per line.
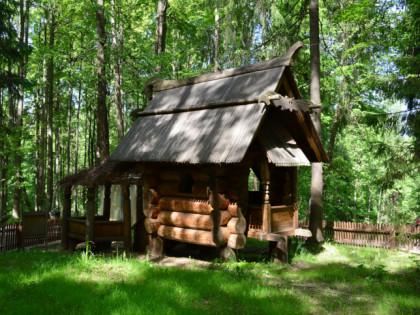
x=351, y=233
x=375, y=235
x=13, y=232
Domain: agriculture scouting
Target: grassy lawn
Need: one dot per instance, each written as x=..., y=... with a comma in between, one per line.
x=341, y=279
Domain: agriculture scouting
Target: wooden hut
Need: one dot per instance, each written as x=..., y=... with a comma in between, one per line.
x=196, y=142
x=95, y=228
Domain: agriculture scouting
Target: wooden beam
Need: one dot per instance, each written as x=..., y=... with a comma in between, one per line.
x=127, y=217
x=215, y=215
x=266, y=206
x=279, y=251
x=107, y=201
x=65, y=215
x=140, y=235
x=90, y=215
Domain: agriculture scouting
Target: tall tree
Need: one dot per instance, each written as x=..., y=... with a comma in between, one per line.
x=160, y=39
x=50, y=109
x=117, y=51
x=316, y=216
x=102, y=144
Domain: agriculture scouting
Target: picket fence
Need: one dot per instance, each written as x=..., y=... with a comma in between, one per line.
x=13, y=233
x=374, y=235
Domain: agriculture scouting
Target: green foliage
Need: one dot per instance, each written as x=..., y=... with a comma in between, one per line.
x=369, y=58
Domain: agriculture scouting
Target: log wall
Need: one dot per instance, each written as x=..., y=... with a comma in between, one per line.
x=194, y=206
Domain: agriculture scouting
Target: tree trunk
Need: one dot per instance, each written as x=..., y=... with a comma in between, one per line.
x=378, y=220
x=69, y=112
x=57, y=158
x=117, y=50
x=102, y=144
x=160, y=40
x=315, y=223
x=2, y=136
x=17, y=193
x=40, y=189
x=216, y=37
x=76, y=158
x=50, y=105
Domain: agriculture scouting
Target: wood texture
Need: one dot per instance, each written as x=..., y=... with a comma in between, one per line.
x=65, y=215
x=151, y=225
x=199, y=237
x=179, y=204
x=233, y=209
x=151, y=211
x=191, y=220
x=155, y=84
x=90, y=215
x=265, y=185
x=237, y=225
x=127, y=218
x=236, y=241
x=155, y=245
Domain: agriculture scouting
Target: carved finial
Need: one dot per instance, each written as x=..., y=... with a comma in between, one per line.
x=293, y=51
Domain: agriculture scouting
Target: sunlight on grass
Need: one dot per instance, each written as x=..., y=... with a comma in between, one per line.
x=340, y=279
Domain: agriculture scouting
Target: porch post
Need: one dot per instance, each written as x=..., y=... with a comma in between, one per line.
x=266, y=206
x=90, y=215
x=65, y=215
x=127, y=217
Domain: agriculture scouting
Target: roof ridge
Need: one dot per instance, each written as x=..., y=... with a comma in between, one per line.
x=155, y=84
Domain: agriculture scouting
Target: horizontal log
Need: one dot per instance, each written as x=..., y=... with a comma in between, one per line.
x=237, y=241
x=233, y=209
x=151, y=225
x=200, y=206
x=237, y=225
x=191, y=220
x=153, y=197
x=151, y=211
x=193, y=236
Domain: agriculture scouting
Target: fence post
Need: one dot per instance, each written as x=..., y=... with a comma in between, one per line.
x=393, y=235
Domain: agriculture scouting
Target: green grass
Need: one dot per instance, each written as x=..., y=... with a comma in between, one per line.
x=338, y=280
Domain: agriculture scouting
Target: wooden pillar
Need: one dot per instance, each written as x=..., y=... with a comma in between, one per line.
x=294, y=197
x=65, y=215
x=90, y=215
x=127, y=217
x=266, y=206
x=215, y=214
x=107, y=201
x=279, y=251
x=140, y=235
x=155, y=243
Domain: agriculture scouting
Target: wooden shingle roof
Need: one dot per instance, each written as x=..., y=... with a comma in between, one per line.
x=214, y=119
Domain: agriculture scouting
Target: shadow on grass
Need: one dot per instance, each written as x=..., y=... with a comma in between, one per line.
x=146, y=290
x=59, y=283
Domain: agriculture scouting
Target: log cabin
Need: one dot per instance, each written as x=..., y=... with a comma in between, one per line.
x=196, y=143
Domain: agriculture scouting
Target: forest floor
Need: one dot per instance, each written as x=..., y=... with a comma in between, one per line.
x=338, y=280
